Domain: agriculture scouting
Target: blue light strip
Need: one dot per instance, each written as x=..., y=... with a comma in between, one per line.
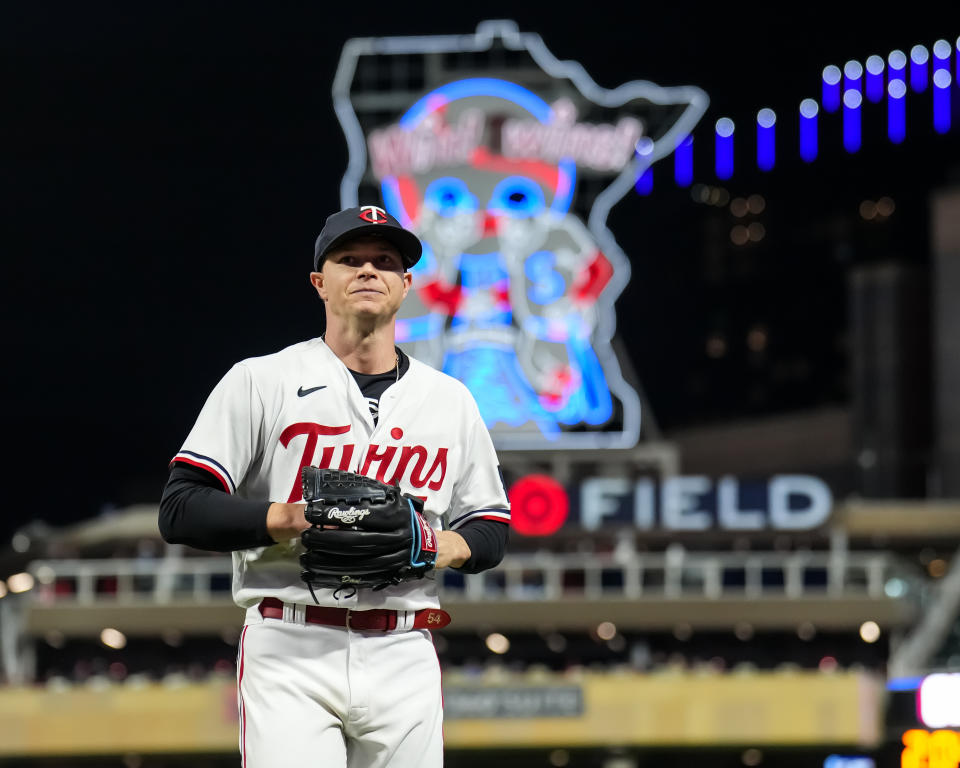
x=644, y=181
x=766, y=139
x=875, y=67
x=852, y=101
x=898, y=66
x=844, y=88
x=941, y=55
x=919, y=58
x=849, y=761
x=808, y=129
x=941, y=100
x=683, y=162
x=831, y=88
x=852, y=76
x=723, y=162
x=904, y=683
x=897, y=111
x=644, y=184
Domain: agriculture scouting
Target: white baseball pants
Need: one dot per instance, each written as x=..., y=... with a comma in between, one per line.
x=311, y=695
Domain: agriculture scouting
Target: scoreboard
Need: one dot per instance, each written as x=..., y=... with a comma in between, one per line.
x=937, y=706
x=930, y=749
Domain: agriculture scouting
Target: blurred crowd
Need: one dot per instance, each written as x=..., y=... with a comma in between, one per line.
x=175, y=658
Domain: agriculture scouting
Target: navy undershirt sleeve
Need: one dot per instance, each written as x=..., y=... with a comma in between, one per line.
x=487, y=540
x=194, y=510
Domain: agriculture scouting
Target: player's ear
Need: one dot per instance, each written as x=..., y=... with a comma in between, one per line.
x=407, y=282
x=317, y=279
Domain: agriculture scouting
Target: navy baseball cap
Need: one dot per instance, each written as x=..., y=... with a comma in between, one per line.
x=366, y=220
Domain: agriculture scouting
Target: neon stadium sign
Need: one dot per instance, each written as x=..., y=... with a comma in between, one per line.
x=506, y=162
x=691, y=504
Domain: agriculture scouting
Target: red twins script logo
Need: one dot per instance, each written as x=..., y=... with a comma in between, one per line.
x=412, y=464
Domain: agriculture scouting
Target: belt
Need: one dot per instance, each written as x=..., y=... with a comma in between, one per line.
x=375, y=620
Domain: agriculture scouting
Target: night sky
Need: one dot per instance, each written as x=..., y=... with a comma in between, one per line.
x=168, y=167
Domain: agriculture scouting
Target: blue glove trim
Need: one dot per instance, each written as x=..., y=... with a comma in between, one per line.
x=415, y=547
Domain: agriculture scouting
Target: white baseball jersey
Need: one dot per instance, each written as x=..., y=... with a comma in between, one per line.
x=270, y=416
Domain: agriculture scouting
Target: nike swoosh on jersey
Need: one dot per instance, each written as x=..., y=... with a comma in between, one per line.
x=304, y=392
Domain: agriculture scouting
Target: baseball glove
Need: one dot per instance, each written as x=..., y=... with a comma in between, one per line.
x=363, y=534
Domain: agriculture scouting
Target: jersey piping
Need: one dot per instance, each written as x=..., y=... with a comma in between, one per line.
x=502, y=515
x=211, y=465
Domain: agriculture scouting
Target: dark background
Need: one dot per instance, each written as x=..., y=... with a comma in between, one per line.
x=168, y=166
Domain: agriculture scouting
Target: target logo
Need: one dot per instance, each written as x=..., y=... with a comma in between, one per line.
x=538, y=505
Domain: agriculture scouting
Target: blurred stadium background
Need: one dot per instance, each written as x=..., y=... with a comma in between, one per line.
x=766, y=571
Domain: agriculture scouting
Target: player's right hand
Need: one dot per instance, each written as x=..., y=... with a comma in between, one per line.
x=286, y=521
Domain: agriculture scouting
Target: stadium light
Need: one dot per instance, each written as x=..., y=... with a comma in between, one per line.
x=896, y=111
x=941, y=55
x=852, y=75
x=113, y=638
x=683, y=162
x=869, y=631
x=874, y=78
x=831, y=90
x=497, y=643
x=606, y=630
x=724, y=148
x=852, y=100
x=808, y=130
x=898, y=66
x=20, y=582
x=766, y=142
x=941, y=100
x=644, y=182
x=919, y=58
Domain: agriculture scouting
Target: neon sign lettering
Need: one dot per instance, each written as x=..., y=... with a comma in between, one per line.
x=541, y=506
x=602, y=146
x=396, y=150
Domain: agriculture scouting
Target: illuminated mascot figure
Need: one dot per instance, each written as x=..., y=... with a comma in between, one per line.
x=505, y=295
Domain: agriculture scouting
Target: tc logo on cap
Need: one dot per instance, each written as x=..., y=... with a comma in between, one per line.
x=373, y=214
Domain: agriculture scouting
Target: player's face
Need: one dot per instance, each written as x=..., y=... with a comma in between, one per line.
x=363, y=277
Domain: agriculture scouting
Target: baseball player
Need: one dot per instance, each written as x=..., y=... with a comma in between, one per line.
x=355, y=680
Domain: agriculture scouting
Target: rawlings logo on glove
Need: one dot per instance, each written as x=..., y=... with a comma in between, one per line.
x=363, y=533
x=347, y=516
